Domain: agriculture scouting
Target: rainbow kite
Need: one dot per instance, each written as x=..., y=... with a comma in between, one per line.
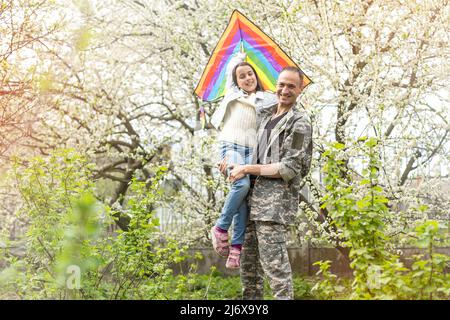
x=262, y=52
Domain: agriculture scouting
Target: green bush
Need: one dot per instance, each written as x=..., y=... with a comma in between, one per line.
x=359, y=210
x=69, y=253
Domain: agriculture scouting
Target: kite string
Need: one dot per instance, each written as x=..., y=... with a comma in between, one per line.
x=241, y=40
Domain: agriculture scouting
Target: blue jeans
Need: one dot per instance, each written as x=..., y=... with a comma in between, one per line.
x=235, y=208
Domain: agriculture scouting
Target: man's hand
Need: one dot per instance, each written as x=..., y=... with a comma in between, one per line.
x=237, y=172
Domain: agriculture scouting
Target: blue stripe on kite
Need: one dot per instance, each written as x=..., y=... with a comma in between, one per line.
x=258, y=47
x=213, y=88
x=263, y=48
x=269, y=64
x=220, y=80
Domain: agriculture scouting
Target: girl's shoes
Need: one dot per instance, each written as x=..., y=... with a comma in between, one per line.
x=220, y=242
x=234, y=259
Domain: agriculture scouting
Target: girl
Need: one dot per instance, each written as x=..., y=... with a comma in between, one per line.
x=236, y=117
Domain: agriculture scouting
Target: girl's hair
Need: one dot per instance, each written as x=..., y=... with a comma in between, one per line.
x=259, y=86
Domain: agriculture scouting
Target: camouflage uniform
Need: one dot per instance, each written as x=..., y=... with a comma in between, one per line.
x=274, y=204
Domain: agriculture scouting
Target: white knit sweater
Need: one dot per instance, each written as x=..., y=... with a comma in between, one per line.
x=239, y=123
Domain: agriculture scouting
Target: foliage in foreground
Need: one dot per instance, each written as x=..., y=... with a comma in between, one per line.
x=360, y=210
x=218, y=287
x=70, y=254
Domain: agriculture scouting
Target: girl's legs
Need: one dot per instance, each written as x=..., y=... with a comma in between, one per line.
x=235, y=208
x=239, y=223
x=240, y=219
x=235, y=203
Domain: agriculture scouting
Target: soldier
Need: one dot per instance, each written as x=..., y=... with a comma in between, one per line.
x=282, y=159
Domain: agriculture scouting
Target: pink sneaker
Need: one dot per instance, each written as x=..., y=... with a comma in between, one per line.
x=234, y=259
x=220, y=242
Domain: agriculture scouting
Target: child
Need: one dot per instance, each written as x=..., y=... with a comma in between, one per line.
x=236, y=116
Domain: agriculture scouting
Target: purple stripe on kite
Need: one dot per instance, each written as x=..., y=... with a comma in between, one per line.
x=264, y=60
x=257, y=46
x=223, y=62
x=219, y=77
x=219, y=87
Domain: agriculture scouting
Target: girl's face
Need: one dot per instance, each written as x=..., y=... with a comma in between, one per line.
x=246, y=79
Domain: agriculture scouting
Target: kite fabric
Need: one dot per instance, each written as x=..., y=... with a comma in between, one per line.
x=262, y=53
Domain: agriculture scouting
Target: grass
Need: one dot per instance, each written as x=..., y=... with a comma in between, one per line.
x=218, y=287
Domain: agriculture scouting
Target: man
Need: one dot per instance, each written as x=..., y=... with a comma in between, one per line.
x=282, y=159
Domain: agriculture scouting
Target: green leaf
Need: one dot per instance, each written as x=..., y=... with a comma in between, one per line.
x=371, y=142
x=338, y=145
x=83, y=39
x=362, y=204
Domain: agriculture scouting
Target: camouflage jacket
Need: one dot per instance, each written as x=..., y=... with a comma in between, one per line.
x=277, y=199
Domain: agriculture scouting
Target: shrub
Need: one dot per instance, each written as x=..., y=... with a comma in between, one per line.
x=359, y=210
x=69, y=253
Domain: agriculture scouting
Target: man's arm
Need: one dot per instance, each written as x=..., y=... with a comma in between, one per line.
x=267, y=170
x=297, y=146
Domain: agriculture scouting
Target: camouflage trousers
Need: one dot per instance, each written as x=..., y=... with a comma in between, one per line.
x=264, y=253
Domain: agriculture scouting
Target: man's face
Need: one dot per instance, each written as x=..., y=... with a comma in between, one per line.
x=289, y=88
